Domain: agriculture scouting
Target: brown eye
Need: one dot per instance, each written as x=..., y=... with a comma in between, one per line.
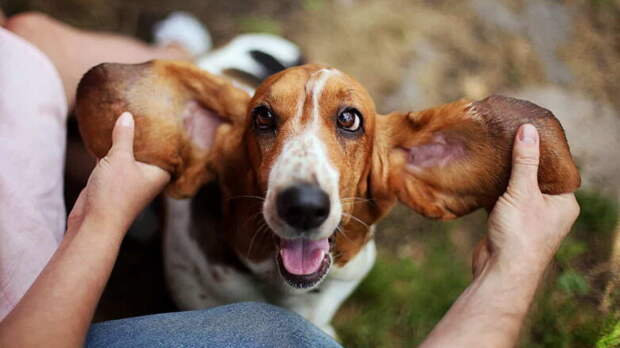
x=264, y=119
x=349, y=120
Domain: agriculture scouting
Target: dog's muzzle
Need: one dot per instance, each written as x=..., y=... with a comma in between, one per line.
x=303, y=261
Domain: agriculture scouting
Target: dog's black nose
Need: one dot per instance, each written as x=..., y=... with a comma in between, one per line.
x=303, y=206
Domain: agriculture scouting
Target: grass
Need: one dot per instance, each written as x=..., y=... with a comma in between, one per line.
x=402, y=299
x=611, y=336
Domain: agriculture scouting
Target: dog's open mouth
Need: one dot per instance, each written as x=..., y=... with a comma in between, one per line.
x=303, y=263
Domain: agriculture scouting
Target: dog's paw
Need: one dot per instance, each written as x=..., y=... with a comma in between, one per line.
x=183, y=29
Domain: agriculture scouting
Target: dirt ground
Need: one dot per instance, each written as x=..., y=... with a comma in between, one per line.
x=563, y=54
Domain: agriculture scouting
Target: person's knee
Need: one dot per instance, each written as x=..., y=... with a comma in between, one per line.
x=260, y=312
x=248, y=324
x=27, y=24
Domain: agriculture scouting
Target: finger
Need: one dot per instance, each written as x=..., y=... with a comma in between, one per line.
x=525, y=159
x=154, y=174
x=122, y=135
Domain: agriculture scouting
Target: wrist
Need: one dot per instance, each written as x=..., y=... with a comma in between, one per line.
x=509, y=275
x=520, y=265
x=503, y=293
x=105, y=226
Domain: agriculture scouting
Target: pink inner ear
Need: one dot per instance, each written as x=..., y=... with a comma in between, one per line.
x=439, y=152
x=200, y=124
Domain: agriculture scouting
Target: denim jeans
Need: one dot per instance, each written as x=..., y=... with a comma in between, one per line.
x=237, y=325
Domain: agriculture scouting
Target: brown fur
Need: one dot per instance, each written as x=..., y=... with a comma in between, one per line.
x=377, y=167
x=156, y=93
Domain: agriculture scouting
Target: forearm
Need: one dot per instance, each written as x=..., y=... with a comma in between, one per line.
x=491, y=311
x=58, y=308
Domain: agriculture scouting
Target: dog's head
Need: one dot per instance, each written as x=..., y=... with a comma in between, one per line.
x=310, y=145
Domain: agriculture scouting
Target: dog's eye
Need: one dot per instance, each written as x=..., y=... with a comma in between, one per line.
x=350, y=120
x=264, y=119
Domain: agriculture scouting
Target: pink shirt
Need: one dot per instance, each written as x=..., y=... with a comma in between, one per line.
x=33, y=113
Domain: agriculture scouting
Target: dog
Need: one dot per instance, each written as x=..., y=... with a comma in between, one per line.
x=278, y=193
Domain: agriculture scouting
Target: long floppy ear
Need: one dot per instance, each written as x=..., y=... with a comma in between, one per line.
x=447, y=161
x=182, y=115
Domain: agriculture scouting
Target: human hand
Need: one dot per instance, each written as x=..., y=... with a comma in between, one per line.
x=526, y=226
x=119, y=187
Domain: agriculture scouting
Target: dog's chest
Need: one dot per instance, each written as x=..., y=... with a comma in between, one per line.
x=196, y=281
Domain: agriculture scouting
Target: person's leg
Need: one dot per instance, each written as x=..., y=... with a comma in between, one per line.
x=33, y=113
x=75, y=51
x=237, y=325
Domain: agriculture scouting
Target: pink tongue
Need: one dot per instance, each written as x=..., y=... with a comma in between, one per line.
x=302, y=256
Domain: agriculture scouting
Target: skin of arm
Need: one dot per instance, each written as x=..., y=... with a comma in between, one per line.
x=526, y=228
x=58, y=308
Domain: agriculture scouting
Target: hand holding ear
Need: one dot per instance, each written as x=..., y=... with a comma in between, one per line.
x=526, y=226
x=119, y=187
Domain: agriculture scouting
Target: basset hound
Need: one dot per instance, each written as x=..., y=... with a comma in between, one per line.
x=276, y=194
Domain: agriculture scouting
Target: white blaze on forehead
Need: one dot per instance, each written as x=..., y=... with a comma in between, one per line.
x=304, y=158
x=317, y=90
x=314, y=86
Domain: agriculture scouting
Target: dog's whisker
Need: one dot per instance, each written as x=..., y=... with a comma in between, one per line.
x=247, y=196
x=358, y=199
x=251, y=243
x=253, y=218
x=340, y=230
x=258, y=231
x=356, y=219
x=264, y=228
x=258, y=215
x=351, y=201
x=336, y=255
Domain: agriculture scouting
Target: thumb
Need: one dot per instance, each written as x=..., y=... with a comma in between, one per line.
x=122, y=135
x=481, y=255
x=76, y=216
x=525, y=159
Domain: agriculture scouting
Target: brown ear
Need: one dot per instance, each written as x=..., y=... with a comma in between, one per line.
x=447, y=161
x=178, y=109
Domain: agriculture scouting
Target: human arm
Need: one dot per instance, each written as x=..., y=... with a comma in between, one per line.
x=58, y=308
x=64, y=46
x=526, y=228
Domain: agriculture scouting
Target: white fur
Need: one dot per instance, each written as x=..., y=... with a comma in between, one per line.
x=188, y=272
x=236, y=54
x=184, y=29
x=319, y=308
x=190, y=280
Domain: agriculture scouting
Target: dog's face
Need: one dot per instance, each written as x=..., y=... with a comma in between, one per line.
x=310, y=146
x=310, y=133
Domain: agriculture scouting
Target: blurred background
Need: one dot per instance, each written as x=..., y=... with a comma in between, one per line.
x=563, y=55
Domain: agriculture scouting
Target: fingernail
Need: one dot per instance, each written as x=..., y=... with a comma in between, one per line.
x=528, y=134
x=126, y=119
